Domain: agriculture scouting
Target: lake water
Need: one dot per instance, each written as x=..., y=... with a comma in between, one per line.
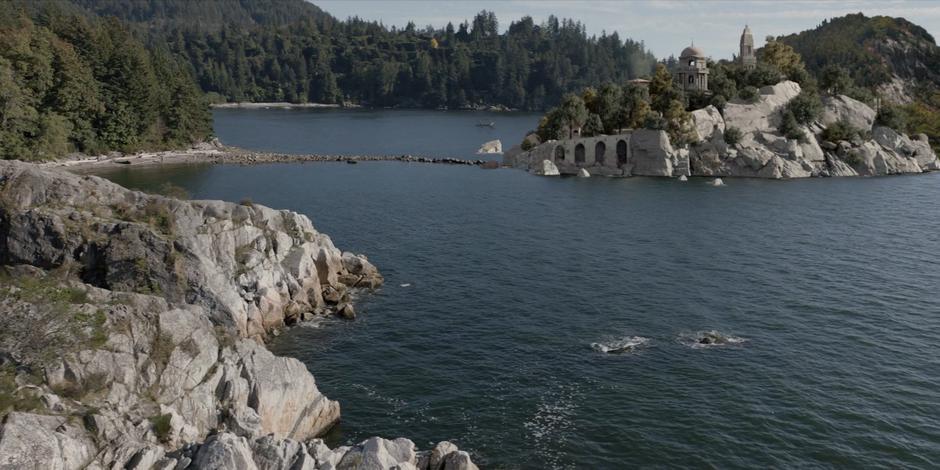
x=370, y=132
x=498, y=283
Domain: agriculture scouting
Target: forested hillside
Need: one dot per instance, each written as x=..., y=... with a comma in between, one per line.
x=878, y=57
x=290, y=50
x=874, y=50
x=69, y=82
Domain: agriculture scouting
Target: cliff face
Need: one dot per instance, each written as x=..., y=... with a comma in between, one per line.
x=759, y=151
x=132, y=328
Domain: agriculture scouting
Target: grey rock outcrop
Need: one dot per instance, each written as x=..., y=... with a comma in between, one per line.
x=546, y=168
x=842, y=108
x=186, y=291
x=493, y=146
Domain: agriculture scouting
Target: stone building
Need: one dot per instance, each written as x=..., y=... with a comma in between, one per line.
x=692, y=72
x=747, y=58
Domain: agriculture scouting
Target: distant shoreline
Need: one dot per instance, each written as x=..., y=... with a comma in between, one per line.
x=279, y=105
x=220, y=154
x=285, y=105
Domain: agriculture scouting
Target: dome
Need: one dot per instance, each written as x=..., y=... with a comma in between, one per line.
x=692, y=51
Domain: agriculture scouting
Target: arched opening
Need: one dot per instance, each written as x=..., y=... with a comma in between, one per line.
x=579, y=153
x=559, y=154
x=599, y=151
x=621, y=153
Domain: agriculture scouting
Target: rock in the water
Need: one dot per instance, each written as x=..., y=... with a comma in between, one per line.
x=582, y=173
x=547, y=168
x=717, y=182
x=652, y=153
x=683, y=178
x=493, y=146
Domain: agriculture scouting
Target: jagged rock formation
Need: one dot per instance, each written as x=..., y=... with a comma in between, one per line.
x=493, y=146
x=182, y=293
x=760, y=150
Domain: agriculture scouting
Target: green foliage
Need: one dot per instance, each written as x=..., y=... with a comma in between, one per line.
x=663, y=90
x=593, y=126
x=779, y=56
x=12, y=397
x=161, y=426
x=806, y=107
x=924, y=119
x=790, y=127
x=835, y=80
x=289, y=50
x=857, y=43
x=732, y=135
x=679, y=124
x=749, y=94
x=892, y=116
x=68, y=82
x=840, y=130
x=572, y=112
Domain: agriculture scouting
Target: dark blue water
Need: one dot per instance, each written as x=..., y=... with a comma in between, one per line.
x=832, y=284
x=370, y=132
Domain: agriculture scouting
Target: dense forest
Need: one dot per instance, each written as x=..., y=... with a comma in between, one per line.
x=69, y=82
x=290, y=50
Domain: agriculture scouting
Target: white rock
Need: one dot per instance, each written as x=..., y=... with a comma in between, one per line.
x=582, y=173
x=717, y=182
x=683, y=178
x=547, y=168
x=493, y=146
x=708, y=121
x=762, y=115
x=837, y=108
x=30, y=441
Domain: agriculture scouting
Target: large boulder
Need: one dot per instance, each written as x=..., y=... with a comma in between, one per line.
x=493, y=146
x=708, y=121
x=546, y=168
x=31, y=441
x=918, y=149
x=762, y=115
x=651, y=153
x=842, y=108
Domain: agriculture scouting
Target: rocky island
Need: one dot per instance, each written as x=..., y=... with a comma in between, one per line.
x=135, y=328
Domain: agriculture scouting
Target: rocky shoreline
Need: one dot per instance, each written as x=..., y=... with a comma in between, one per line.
x=744, y=140
x=216, y=153
x=133, y=328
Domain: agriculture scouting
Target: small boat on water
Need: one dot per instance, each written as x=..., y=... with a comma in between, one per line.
x=351, y=162
x=486, y=124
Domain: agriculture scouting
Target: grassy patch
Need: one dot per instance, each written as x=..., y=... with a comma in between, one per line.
x=161, y=426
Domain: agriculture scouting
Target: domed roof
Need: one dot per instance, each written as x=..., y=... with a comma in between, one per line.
x=692, y=51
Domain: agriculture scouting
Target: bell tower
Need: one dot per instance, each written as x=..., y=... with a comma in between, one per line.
x=747, y=57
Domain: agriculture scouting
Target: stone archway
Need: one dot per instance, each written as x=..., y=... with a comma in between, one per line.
x=579, y=153
x=599, y=150
x=621, y=153
x=559, y=153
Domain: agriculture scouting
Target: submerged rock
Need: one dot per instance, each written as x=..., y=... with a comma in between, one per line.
x=582, y=173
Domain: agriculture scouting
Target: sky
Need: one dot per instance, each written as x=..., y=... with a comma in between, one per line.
x=665, y=26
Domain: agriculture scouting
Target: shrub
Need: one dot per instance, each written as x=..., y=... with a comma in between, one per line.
x=840, y=130
x=790, y=128
x=161, y=426
x=246, y=201
x=171, y=190
x=749, y=94
x=526, y=145
x=732, y=135
x=806, y=107
x=891, y=116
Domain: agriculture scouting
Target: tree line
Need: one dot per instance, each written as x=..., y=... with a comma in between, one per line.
x=73, y=83
x=248, y=51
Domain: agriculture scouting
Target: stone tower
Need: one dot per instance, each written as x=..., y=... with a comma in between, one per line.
x=747, y=58
x=692, y=72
